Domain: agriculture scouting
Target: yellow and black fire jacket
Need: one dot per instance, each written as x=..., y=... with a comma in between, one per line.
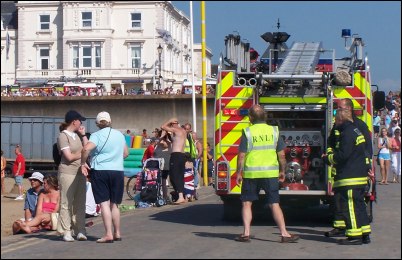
x=349, y=158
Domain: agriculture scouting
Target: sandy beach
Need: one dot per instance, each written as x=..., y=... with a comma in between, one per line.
x=11, y=209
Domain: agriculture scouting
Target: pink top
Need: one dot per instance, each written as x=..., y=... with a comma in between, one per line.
x=48, y=207
x=396, y=143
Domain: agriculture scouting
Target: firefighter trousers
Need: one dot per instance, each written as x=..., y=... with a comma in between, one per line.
x=339, y=221
x=354, y=212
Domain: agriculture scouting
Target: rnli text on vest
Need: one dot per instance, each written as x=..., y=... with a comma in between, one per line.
x=262, y=138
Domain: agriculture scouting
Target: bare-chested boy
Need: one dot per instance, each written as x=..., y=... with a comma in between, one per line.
x=177, y=158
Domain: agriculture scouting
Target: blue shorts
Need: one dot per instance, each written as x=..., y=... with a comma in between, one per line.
x=384, y=156
x=107, y=185
x=251, y=188
x=18, y=179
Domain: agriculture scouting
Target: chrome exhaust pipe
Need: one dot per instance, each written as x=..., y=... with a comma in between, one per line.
x=241, y=81
x=252, y=82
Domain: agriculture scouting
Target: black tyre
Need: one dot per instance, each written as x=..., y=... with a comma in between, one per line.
x=232, y=210
x=160, y=202
x=130, y=187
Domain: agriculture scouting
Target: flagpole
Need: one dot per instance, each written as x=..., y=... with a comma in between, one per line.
x=192, y=67
x=204, y=95
x=8, y=42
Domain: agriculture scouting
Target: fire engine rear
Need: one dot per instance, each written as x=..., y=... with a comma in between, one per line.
x=298, y=87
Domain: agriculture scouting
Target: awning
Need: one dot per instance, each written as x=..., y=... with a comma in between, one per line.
x=132, y=81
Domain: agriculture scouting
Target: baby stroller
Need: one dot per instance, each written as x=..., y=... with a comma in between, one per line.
x=149, y=182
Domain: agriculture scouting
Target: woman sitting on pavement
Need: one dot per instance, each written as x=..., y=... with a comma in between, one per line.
x=48, y=203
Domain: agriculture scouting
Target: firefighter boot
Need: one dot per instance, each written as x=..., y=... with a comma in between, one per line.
x=351, y=241
x=366, y=239
x=336, y=232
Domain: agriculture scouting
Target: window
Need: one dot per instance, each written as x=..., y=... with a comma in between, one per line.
x=86, y=19
x=44, y=58
x=136, y=20
x=97, y=56
x=87, y=55
x=44, y=21
x=136, y=57
x=76, y=57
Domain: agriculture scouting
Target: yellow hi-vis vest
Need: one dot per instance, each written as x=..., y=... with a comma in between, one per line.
x=261, y=159
x=191, y=150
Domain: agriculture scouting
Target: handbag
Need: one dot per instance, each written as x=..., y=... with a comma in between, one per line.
x=54, y=217
x=379, y=151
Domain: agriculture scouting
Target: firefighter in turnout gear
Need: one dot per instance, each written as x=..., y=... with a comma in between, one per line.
x=338, y=222
x=260, y=164
x=352, y=165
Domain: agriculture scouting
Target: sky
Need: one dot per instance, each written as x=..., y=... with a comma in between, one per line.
x=377, y=23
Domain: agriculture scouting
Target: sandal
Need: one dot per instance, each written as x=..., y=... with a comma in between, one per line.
x=103, y=240
x=242, y=238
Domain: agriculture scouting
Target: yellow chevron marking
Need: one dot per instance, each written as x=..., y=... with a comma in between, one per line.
x=226, y=82
x=343, y=93
x=361, y=83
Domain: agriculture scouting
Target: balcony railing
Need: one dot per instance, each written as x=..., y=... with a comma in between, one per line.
x=99, y=74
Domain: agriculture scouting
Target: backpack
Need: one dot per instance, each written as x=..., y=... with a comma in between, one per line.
x=56, y=154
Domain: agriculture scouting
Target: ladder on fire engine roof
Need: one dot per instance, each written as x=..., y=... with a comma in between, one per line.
x=301, y=59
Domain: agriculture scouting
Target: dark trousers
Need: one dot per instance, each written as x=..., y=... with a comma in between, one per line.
x=176, y=168
x=354, y=212
x=339, y=221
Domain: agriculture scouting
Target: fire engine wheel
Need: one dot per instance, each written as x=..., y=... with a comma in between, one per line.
x=231, y=210
x=130, y=187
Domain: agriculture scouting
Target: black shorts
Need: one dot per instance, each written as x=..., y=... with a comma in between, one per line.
x=251, y=188
x=107, y=185
x=376, y=129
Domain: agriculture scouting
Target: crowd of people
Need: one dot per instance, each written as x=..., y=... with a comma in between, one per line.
x=97, y=160
x=183, y=165
x=98, y=91
x=387, y=138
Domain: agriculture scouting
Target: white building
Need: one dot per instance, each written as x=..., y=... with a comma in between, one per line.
x=110, y=42
x=8, y=50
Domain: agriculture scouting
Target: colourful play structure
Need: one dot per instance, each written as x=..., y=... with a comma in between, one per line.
x=133, y=163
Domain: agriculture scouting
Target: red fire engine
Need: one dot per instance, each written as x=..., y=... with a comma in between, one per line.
x=298, y=88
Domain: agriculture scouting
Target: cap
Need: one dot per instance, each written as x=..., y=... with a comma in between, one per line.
x=153, y=139
x=37, y=176
x=73, y=115
x=103, y=116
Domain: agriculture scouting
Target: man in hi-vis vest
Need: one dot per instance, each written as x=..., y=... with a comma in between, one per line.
x=261, y=165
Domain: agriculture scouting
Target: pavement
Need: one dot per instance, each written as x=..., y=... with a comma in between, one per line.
x=126, y=208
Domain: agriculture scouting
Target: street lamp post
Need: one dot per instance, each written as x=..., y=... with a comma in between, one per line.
x=160, y=49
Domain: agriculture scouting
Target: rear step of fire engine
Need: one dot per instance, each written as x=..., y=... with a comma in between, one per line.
x=301, y=59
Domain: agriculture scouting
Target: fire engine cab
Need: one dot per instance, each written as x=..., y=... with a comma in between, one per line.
x=298, y=87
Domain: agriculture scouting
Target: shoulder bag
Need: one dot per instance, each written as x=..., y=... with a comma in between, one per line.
x=101, y=149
